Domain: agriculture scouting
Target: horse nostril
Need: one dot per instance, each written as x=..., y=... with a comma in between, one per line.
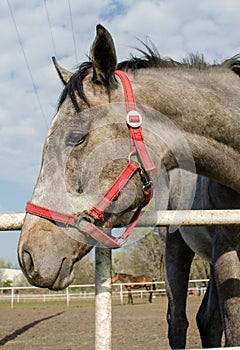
x=27, y=262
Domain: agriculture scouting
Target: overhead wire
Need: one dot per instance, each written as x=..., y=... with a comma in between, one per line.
x=53, y=44
x=72, y=29
x=50, y=27
x=73, y=35
x=27, y=64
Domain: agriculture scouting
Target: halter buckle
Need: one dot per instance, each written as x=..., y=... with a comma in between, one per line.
x=147, y=182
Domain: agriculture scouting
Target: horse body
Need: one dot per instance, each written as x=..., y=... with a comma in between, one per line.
x=191, y=120
x=125, y=278
x=219, y=245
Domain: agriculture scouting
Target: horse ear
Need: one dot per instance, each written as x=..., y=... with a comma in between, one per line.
x=64, y=74
x=104, y=57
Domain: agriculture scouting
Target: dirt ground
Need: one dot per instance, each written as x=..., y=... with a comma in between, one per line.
x=138, y=326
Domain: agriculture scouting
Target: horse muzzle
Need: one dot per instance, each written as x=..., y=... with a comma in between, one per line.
x=47, y=255
x=57, y=279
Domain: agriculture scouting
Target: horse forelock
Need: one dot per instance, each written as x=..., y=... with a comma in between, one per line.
x=75, y=84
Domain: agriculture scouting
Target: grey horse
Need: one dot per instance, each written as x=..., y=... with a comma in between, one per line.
x=219, y=245
x=191, y=120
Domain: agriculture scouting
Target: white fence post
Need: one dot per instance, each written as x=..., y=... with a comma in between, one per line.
x=103, y=301
x=67, y=296
x=121, y=293
x=12, y=297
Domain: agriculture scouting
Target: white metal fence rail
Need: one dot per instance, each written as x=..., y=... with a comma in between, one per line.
x=9, y=222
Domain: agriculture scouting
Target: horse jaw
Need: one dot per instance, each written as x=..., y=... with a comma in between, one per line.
x=48, y=262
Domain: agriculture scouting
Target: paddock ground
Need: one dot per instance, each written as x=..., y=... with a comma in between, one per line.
x=138, y=326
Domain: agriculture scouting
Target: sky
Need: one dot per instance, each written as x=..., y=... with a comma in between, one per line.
x=31, y=32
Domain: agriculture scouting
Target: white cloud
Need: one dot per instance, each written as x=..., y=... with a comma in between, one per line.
x=179, y=27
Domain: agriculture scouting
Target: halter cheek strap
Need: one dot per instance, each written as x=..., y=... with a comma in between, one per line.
x=96, y=213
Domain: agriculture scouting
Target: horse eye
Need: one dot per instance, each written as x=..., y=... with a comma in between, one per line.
x=75, y=138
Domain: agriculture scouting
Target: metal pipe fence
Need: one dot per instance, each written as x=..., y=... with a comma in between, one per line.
x=147, y=219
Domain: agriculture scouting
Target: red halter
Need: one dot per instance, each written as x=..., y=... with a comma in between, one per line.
x=139, y=149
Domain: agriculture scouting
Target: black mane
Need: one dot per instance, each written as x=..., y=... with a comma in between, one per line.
x=150, y=58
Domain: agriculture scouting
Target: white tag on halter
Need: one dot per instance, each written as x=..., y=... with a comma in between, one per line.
x=134, y=119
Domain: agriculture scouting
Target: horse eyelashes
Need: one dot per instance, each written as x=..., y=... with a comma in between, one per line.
x=75, y=138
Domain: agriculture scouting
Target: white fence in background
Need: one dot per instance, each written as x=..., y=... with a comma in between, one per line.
x=82, y=292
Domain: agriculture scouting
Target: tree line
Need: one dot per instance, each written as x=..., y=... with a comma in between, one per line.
x=142, y=257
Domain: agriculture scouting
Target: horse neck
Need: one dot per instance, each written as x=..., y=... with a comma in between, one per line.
x=123, y=278
x=205, y=116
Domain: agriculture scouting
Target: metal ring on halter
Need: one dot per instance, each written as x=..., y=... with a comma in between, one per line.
x=129, y=156
x=136, y=123
x=84, y=215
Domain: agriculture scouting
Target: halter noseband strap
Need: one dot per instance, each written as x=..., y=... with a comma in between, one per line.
x=85, y=221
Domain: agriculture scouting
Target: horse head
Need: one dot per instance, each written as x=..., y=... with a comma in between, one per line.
x=115, y=277
x=86, y=148
x=95, y=146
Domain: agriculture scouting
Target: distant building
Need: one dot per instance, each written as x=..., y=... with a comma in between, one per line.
x=10, y=274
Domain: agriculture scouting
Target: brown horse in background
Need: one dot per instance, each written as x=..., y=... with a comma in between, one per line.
x=125, y=278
